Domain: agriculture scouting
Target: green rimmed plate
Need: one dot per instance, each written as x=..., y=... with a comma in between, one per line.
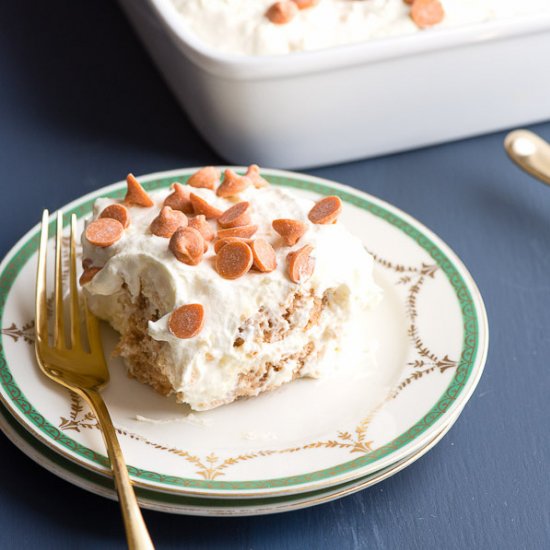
x=182, y=504
x=432, y=335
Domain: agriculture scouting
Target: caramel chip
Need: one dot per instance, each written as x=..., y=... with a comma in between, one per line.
x=301, y=264
x=280, y=13
x=187, y=245
x=243, y=231
x=179, y=199
x=88, y=274
x=253, y=172
x=235, y=216
x=206, y=177
x=304, y=4
x=232, y=184
x=290, y=230
x=104, y=232
x=87, y=262
x=234, y=260
x=203, y=227
x=136, y=194
x=426, y=13
x=220, y=243
x=117, y=212
x=200, y=206
x=186, y=321
x=263, y=255
x=166, y=223
x=326, y=210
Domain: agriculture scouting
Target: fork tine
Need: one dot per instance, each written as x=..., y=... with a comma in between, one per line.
x=59, y=326
x=75, y=310
x=41, y=303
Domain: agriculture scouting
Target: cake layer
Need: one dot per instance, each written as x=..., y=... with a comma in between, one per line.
x=260, y=330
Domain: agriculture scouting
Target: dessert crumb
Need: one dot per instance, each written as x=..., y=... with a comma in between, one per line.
x=191, y=418
x=259, y=436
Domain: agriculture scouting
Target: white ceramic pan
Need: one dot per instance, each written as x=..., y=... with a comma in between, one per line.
x=345, y=103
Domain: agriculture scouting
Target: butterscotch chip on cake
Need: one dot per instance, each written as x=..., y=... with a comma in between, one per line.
x=243, y=231
x=186, y=321
x=179, y=199
x=87, y=262
x=206, y=177
x=281, y=13
x=232, y=184
x=234, y=260
x=135, y=194
x=253, y=173
x=203, y=227
x=301, y=264
x=305, y=4
x=426, y=13
x=220, y=243
x=235, y=216
x=290, y=230
x=104, y=232
x=203, y=207
x=326, y=210
x=211, y=325
x=88, y=274
x=167, y=222
x=187, y=245
x=117, y=212
x=264, y=256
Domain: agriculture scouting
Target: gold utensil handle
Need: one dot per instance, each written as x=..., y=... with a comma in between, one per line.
x=529, y=152
x=136, y=532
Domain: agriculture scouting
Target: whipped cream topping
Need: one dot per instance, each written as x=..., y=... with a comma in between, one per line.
x=240, y=26
x=206, y=367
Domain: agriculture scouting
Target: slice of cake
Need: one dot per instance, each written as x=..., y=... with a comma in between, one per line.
x=224, y=289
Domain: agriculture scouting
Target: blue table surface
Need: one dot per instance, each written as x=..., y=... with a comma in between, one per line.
x=81, y=104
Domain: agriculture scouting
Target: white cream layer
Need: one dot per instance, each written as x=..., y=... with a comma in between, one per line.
x=206, y=368
x=240, y=26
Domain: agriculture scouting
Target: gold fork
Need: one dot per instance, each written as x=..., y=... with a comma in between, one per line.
x=83, y=371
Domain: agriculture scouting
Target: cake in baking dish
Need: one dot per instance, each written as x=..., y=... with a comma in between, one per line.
x=224, y=287
x=274, y=27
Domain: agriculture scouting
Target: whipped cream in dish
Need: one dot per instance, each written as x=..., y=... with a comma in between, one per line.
x=259, y=321
x=241, y=26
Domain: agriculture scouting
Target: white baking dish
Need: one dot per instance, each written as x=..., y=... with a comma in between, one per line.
x=345, y=103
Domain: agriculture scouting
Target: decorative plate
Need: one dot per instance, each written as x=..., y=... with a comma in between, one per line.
x=432, y=336
x=190, y=505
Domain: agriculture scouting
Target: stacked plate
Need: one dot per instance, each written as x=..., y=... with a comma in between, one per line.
x=306, y=443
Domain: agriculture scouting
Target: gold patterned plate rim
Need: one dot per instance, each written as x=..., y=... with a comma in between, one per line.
x=466, y=368
x=182, y=505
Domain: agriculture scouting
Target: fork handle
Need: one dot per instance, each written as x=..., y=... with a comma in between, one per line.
x=136, y=531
